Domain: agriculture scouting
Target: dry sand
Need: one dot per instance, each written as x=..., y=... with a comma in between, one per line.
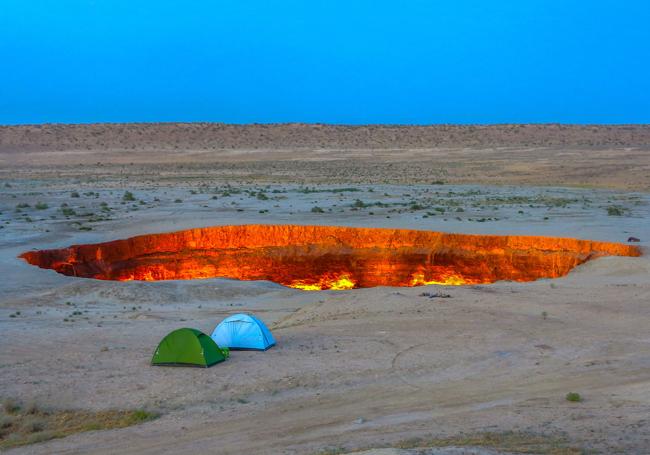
x=352, y=369
x=565, y=155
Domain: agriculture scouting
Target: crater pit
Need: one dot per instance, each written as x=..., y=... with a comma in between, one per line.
x=327, y=257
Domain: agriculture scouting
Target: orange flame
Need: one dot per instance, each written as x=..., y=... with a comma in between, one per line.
x=446, y=280
x=340, y=283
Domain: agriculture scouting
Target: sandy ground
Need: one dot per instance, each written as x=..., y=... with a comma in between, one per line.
x=590, y=156
x=352, y=369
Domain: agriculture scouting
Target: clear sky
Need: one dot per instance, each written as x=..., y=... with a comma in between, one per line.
x=330, y=61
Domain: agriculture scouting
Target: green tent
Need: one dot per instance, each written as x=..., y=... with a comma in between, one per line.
x=188, y=347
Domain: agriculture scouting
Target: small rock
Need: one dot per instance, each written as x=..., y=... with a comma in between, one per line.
x=433, y=295
x=360, y=420
x=633, y=239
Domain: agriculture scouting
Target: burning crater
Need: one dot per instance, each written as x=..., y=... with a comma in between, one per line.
x=327, y=257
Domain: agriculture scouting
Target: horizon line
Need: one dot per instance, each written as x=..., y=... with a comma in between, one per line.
x=348, y=125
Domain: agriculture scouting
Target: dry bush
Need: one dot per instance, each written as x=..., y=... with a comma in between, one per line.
x=31, y=424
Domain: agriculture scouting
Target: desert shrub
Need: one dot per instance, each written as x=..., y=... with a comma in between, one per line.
x=30, y=408
x=41, y=436
x=317, y=209
x=41, y=206
x=615, y=210
x=33, y=425
x=573, y=397
x=141, y=415
x=128, y=197
x=10, y=406
x=74, y=194
x=67, y=211
x=29, y=424
x=6, y=422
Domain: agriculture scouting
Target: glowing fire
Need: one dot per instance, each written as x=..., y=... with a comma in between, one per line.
x=340, y=283
x=327, y=257
x=448, y=280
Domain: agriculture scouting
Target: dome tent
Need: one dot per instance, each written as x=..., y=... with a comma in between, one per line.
x=188, y=347
x=243, y=332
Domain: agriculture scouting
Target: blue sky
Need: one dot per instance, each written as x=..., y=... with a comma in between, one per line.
x=355, y=62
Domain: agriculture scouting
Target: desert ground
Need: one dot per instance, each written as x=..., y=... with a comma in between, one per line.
x=479, y=369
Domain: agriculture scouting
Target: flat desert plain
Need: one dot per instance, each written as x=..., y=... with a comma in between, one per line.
x=404, y=370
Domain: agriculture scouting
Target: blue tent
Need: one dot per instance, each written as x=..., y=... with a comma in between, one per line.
x=243, y=331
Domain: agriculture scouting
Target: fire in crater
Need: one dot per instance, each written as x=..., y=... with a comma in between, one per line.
x=327, y=257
